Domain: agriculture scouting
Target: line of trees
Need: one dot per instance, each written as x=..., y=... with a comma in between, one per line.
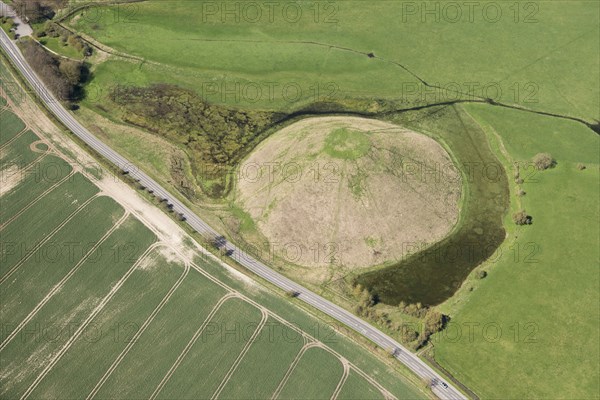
x=63, y=77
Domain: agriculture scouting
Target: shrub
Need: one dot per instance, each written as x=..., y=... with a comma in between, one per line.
x=521, y=218
x=580, y=167
x=543, y=161
x=434, y=322
x=521, y=193
x=519, y=181
x=481, y=274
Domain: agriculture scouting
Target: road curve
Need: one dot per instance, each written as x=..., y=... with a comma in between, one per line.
x=441, y=387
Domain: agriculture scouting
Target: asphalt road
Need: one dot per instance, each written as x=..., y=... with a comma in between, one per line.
x=441, y=388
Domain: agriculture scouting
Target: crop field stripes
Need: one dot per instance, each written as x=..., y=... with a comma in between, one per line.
x=90, y=317
x=292, y=367
x=139, y=333
x=27, y=167
x=60, y=284
x=190, y=343
x=238, y=360
x=310, y=341
x=343, y=379
x=14, y=138
x=45, y=240
x=41, y=196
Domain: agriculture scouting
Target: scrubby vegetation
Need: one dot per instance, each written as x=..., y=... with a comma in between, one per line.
x=217, y=137
x=415, y=335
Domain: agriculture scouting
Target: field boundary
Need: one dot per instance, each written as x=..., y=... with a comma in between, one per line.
x=292, y=367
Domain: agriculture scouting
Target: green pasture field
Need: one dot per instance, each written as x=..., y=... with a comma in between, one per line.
x=216, y=349
x=70, y=306
x=13, y=153
x=152, y=357
x=259, y=363
x=54, y=44
x=540, y=300
x=534, y=53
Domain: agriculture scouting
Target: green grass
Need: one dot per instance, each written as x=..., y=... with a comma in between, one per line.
x=259, y=365
x=52, y=261
x=139, y=147
x=36, y=222
x=548, y=53
x=211, y=356
x=347, y=144
x=10, y=124
x=54, y=44
x=34, y=182
x=358, y=388
x=432, y=276
x=152, y=356
x=315, y=377
x=2, y=104
x=71, y=306
x=549, y=289
x=6, y=26
x=90, y=356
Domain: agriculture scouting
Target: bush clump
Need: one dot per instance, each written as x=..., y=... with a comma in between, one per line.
x=521, y=218
x=543, y=161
